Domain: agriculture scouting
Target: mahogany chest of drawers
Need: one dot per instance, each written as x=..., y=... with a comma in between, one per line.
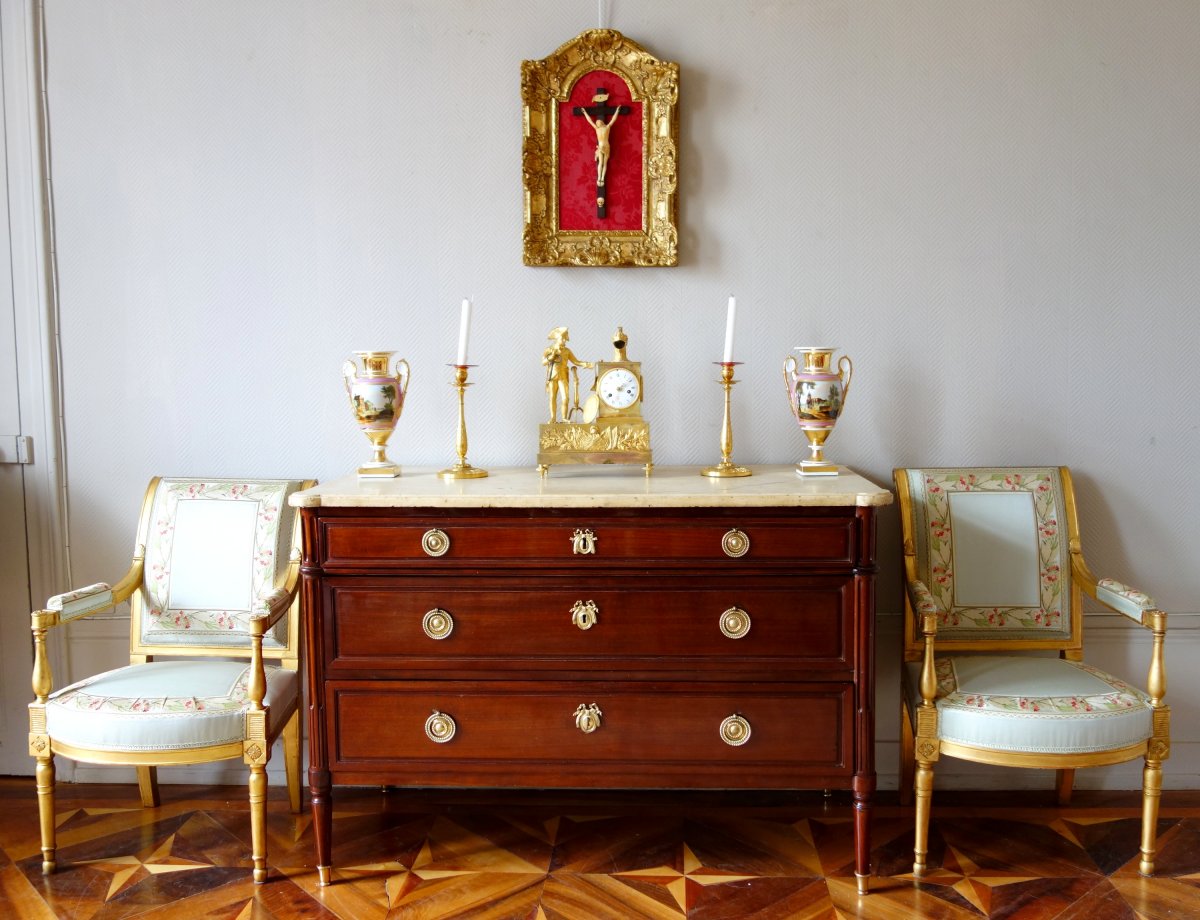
x=591, y=630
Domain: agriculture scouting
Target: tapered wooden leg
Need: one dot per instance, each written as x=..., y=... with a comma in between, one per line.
x=908, y=755
x=291, y=759
x=44, y=774
x=864, y=793
x=924, y=792
x=258, y=820
x=1151, y=794
x=1064, y=782
x=148, y=786
x=320, y=791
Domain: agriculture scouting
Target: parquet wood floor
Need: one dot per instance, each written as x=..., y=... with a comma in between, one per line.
x=433, y=856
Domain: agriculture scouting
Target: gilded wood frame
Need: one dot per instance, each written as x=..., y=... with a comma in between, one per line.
x=547, y=83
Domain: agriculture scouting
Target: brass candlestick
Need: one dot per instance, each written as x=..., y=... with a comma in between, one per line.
x=725, y=467
x=462, y=469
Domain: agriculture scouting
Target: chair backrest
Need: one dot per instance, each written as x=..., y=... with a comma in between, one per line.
x=993, y=547
x=213, y=547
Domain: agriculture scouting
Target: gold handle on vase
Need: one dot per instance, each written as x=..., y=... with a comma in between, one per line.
x=435, y=542
x=735, y=623
x=735, y=731
x=440, y=727
x=437, y=623
x=587, y=718
x=789, y=383
x=845, y=373
x=735, y=543
x=585, y=614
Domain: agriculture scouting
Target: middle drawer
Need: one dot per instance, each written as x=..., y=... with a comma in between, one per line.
x=783, y=623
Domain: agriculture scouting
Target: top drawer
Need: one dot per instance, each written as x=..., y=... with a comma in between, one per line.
x=586, y=538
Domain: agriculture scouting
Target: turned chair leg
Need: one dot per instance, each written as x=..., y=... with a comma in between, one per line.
x=1151, y=794
x=148, y=786
x=924, y=792
x=258, y=820
x=44, y=773
x=292, y=760
x=1064, y=783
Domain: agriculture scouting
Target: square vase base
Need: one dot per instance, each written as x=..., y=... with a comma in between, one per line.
x=380, y=471
x=816, y=468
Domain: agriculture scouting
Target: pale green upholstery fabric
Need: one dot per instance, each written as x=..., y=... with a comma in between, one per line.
x=992, y=551
x=1122, y=598
x=212, y=554
x=139, y=707
x=76, y=603
x=1033, y=704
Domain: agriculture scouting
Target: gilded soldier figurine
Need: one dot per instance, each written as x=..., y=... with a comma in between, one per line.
x=558, y=360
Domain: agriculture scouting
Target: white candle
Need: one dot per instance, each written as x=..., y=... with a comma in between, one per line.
x=463, y=326
x=728, y=359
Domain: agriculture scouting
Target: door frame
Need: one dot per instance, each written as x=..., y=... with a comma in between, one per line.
x=35, y=308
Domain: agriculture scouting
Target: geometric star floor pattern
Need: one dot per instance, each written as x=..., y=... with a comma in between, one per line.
x=425, y=856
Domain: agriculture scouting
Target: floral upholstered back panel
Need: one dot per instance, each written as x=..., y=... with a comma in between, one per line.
x=992, y=548
x=214, y=549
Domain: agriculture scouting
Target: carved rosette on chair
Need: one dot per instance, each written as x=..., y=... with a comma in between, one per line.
x=376, y=392
x=817, y=394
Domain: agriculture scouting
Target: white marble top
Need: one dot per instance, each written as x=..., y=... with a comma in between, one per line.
x=578, y=486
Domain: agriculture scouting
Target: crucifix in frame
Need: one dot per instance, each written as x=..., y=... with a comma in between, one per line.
x=600, y=154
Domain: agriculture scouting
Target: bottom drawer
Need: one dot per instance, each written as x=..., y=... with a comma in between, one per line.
x=515, y=734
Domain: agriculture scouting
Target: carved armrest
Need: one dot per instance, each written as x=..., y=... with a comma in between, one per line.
x=922, y=601
x=1137, y=605
x=83, y=602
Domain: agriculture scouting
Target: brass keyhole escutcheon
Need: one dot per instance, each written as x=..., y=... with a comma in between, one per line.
x=735, y=623
x=735, y=543
x=584, y=615
x=735, y=731
x=437, y=623
x=435, y=542
x=587, y=718
x=440, y=727
x=583, y=542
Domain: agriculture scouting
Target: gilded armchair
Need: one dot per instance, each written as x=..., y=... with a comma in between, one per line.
x=993, y=565
x=213, y=580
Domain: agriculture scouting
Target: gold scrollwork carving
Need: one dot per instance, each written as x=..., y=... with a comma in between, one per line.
x=624, y=436
x=927, y=750
x=587, y=718
x=547, y=83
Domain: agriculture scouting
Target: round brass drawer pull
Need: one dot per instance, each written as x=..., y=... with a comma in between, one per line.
x=587, y=718
x=435, y=542
x=735, y=623
x=735, y=731
x=735, y=543
x=584, y=615
x=437, y=623
x=440, y=727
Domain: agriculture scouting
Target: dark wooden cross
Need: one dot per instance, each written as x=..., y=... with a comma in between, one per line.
x=601, y=111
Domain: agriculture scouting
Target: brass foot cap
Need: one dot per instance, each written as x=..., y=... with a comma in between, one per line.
x=864, y=883
x=324, y=875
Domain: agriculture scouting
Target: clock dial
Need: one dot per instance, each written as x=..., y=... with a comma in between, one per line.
x=619, y=388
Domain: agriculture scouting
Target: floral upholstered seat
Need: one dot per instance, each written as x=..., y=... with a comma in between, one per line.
x=993, y=567
x=212, y=588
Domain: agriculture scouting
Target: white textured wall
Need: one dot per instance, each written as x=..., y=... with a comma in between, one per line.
x=992, y=207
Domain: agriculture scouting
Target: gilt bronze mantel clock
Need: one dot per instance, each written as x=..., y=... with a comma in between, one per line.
x=608, y=426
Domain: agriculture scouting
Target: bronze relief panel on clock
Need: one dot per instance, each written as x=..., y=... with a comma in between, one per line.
x=600, y=161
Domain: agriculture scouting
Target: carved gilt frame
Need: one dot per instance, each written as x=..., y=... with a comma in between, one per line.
x=547, y=83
